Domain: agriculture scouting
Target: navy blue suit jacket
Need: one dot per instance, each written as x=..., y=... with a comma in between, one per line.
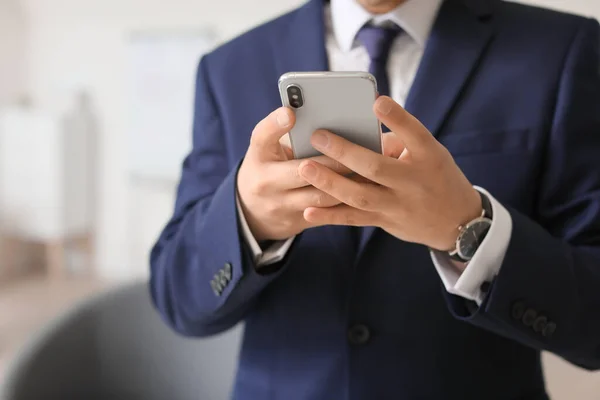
x=514, y=93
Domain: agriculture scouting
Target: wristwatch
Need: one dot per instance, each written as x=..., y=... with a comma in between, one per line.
x=472, y=234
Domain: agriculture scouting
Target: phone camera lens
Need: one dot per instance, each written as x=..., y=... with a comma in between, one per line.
x=295, y=96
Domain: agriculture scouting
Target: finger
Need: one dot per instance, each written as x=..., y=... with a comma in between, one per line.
x=392, y=145
x=289, y=154
x=339, y=215
x=408, y=129
x=361, y=160
x=302, y=198
x=285, y=141
x=285, y=175
x=264, y=141
x=359, y=195
x=330, y=163
x=286, y=145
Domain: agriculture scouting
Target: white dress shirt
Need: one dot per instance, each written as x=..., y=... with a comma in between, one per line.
x=343, y=20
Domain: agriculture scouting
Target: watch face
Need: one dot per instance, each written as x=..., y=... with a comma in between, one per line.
x=472, y=237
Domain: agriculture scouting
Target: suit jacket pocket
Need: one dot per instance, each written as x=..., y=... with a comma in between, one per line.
x=488, y=142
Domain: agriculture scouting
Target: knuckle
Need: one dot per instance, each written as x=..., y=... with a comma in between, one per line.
x=322, y=199
x=254, y=191
x=260, y=187
x=374, y=168
x=287, y=224
x=438, y=164
x=294, y=173
x=361, y=200
x=338, y=151
x=271, y=208
x=327, y=184
x=319, y=199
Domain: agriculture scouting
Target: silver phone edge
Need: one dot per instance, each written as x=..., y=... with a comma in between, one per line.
x=327, y=74
x=285, y=103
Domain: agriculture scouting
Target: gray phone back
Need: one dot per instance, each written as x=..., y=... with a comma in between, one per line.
x=341, y=102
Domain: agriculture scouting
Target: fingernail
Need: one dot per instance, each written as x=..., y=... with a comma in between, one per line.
x=309, y=171
x=384, y=106
x=321, y=140
x=283, y=118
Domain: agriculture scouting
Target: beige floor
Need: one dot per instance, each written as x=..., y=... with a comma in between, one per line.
x=27, y=305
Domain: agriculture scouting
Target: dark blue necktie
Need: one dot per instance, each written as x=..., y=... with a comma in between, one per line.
x=378, y=41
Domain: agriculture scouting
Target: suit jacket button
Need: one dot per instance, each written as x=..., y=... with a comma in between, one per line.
x=226, y=272
x=227, y=268
x=540, y=324
x=549, y=330
x=359, y=334
x=485, y=287
x=518, y=309
x=529, y=317
x=222, y=279
x=216, y=287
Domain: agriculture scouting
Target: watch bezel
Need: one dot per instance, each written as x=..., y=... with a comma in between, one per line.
x=465, y=230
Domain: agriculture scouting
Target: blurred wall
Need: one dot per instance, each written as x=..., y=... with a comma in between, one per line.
x=583, y=7
x=83, y=43
x=13, y=51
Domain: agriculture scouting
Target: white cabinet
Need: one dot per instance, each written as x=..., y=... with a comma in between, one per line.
x=47, y=182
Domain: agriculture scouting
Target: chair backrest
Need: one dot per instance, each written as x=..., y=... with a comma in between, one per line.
x=115, y=346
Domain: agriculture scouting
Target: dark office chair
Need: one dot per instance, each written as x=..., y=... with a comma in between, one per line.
x=114, y=346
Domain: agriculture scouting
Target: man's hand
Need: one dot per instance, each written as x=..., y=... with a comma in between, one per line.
x=272, y=193
x=418, y=195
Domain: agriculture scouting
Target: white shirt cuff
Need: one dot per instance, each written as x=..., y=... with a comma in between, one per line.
x=486, y=263
x=275, y=253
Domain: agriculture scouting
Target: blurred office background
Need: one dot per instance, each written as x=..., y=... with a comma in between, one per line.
x=95, y=117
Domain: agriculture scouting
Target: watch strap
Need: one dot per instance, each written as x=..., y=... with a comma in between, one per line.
x=487, y=212
x=486, y=204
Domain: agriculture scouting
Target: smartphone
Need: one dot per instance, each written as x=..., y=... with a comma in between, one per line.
x=340, y=102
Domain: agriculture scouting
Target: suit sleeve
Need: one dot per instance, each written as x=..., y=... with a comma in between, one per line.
x=547, y=292
x=203, y=278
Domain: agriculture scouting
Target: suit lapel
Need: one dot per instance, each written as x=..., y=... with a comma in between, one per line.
x=301, y=45
x=457, y=43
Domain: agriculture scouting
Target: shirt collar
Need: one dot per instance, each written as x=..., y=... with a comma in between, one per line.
x=415, y=17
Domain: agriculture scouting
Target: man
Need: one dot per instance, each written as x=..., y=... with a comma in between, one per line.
x=497, y=153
